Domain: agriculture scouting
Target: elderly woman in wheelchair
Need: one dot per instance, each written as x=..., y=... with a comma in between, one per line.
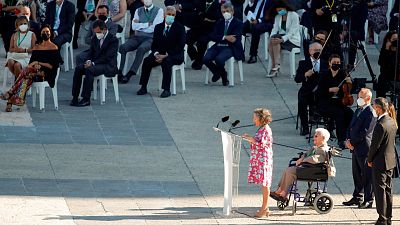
x=317, y=154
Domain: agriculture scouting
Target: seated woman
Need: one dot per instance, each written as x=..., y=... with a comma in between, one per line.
x=43, y=65
x=315, y=155
x=284, y=35
x=21, y=45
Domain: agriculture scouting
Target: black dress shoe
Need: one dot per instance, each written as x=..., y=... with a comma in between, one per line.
x=165, y=94
x=215, y=77
x=225, y=82
x=125, y=79
x=353, y=201
x=142, y=91
x=224, y=76
x=196, y=65
x=83, y=103
x=74, y=102
x=252, y=59
x=365, y=205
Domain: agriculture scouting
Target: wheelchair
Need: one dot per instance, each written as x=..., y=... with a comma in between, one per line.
x=316, y=176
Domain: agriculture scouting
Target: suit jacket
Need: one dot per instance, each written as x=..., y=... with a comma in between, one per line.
x=189, y=15
x=172, y=43
x=309, y=84
x=111, y=27
x=235, y=28
x=67, y=17
x=292, y=27
x=106, y=54
x=267, y=10
x=360, y=131
x=382, y=151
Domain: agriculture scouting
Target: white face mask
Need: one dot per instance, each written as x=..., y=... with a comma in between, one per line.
x=374, y=113
x=360, y=102
x=99, y=35
x=148, y=3
x=227, y=15
x=23, y=27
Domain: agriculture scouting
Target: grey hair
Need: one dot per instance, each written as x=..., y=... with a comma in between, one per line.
x=170, y=8
x=227, y=5
x=314, y=44
x=324, y=132
x=367, y=92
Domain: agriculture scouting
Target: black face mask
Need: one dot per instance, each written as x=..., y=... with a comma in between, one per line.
x=103, y=17
x=316, y=55
x=394, y=43
x=45, y=37
x=335, y=67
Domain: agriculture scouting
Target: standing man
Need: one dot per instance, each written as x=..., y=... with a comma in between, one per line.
x=60, y=15
x=167, y=50
x=359, y=136
x=382, y=159
x=143, y=23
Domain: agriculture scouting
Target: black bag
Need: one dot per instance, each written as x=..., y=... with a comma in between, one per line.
x=309, y=171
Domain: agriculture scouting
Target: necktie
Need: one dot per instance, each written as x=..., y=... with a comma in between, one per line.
x=101, y=42
x=166, y=31
x=358, y=112
x=226, y=27
x=147, y=10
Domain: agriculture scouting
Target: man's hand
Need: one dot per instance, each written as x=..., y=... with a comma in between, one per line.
x=230, y=38
x=87, y=64
x=319, y=12
x=309, y=73
x=349, y=145
x=160, y=58
x=370, y=164
x=178, y=8
x=334, y=89
x=348, y=79
x=254, y=22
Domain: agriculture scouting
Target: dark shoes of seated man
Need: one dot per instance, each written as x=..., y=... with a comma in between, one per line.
x=125, y=79
x=81, y=103
x=224, y=77
x=252, y=59
x=143, y=91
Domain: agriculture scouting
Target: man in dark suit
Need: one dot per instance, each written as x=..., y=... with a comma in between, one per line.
x=187, y=11
x=102, y=59
x=382, y=159
x=308, y=74
x=227, y=36
x=359, y=136
x=167, y=50
x=60, y=16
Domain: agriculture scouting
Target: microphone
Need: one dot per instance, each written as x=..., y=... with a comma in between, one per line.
x=223, y=119
x=234, y=124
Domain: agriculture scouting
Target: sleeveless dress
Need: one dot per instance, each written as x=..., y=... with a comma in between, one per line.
x=260, y=165
x=22, y=41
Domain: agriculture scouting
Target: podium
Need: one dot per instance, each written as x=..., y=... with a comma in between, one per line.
x=231, y=146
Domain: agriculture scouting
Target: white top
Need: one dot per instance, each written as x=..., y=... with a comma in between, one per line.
x=292, y=32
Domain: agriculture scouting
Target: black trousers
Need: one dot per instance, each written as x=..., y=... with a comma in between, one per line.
x=89, y=73
x=382, y=183
x=362, y=178
x=198, y=37
x=7, y=29
x=306, y=104
x=166, y=66
x=342, y=116
x=62, y=39
x=256, y=31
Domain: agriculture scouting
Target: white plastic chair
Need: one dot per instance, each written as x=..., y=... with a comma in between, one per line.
x=231, y=70
x=6, y=74
x=122, y=34
x=292, y=60
x=266, y=41
x=175, y=68
x=65, y=48
x=40, y=89
x=102, y=79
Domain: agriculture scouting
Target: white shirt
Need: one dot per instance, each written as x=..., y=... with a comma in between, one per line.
x=57, y=19
x=258, y=6
x=316, y=64
x=144, y=27
x=379, y=117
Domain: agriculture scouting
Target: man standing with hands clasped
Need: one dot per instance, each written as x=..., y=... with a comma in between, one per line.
x=359, y=137
x=382, y=159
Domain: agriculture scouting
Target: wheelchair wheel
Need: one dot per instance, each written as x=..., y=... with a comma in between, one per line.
x=282, y=204
x=323, y=203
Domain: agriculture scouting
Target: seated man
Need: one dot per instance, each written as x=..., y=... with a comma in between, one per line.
x=60, y=15
x=102, y=59
x=227, y=36
x=167, y=50
x=102, y=14
x=308, y=74
x=143, y=23
x=259, y=21
x=317, y=154
x=33, y=26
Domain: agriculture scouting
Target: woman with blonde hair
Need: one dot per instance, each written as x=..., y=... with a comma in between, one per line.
x=260, y=165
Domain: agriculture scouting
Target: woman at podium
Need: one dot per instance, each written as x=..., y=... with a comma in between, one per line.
x=260, y=165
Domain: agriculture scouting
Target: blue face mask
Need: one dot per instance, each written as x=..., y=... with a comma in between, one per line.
x=169, y=19
x=282, y=12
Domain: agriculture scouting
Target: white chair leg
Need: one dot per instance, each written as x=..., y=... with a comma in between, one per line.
x=71, y=51
x=34, y=96
x=231, y=71
x=41, y=97
x=183, y=79
x=103, y=84
x=376, y=38
x=5, y=76
x=240, y=64
x=160, y=82
x=116, y=90
x=292, y=64
x=55, y=97
x=207, y=74
x=266, y=40
x=173, y=81
x=94, y=88
x=65, y=56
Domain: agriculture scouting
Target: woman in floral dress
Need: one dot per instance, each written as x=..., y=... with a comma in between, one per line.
x=260, y=165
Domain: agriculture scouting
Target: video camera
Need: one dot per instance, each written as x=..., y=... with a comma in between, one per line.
x=343, y=7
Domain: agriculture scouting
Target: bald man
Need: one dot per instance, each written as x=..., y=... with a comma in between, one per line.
x=359, y=137
x=33, y=26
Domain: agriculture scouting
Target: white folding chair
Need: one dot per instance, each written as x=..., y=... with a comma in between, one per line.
x=6, y=74
x=266, y=42
x=231, y=70
x=102, y=79
x=175, y=68
x=67, y=48
x=292, y=60
x=122, y=34
x=40, y=89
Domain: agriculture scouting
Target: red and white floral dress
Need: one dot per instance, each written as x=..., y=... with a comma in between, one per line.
x=260, y=165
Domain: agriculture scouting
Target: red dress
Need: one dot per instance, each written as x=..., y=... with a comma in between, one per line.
x=260, y=165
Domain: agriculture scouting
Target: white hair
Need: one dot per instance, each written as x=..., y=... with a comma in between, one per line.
x=324, y=132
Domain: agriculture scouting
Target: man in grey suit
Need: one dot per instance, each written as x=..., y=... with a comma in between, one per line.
x=382, y=159
x=359, y=136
